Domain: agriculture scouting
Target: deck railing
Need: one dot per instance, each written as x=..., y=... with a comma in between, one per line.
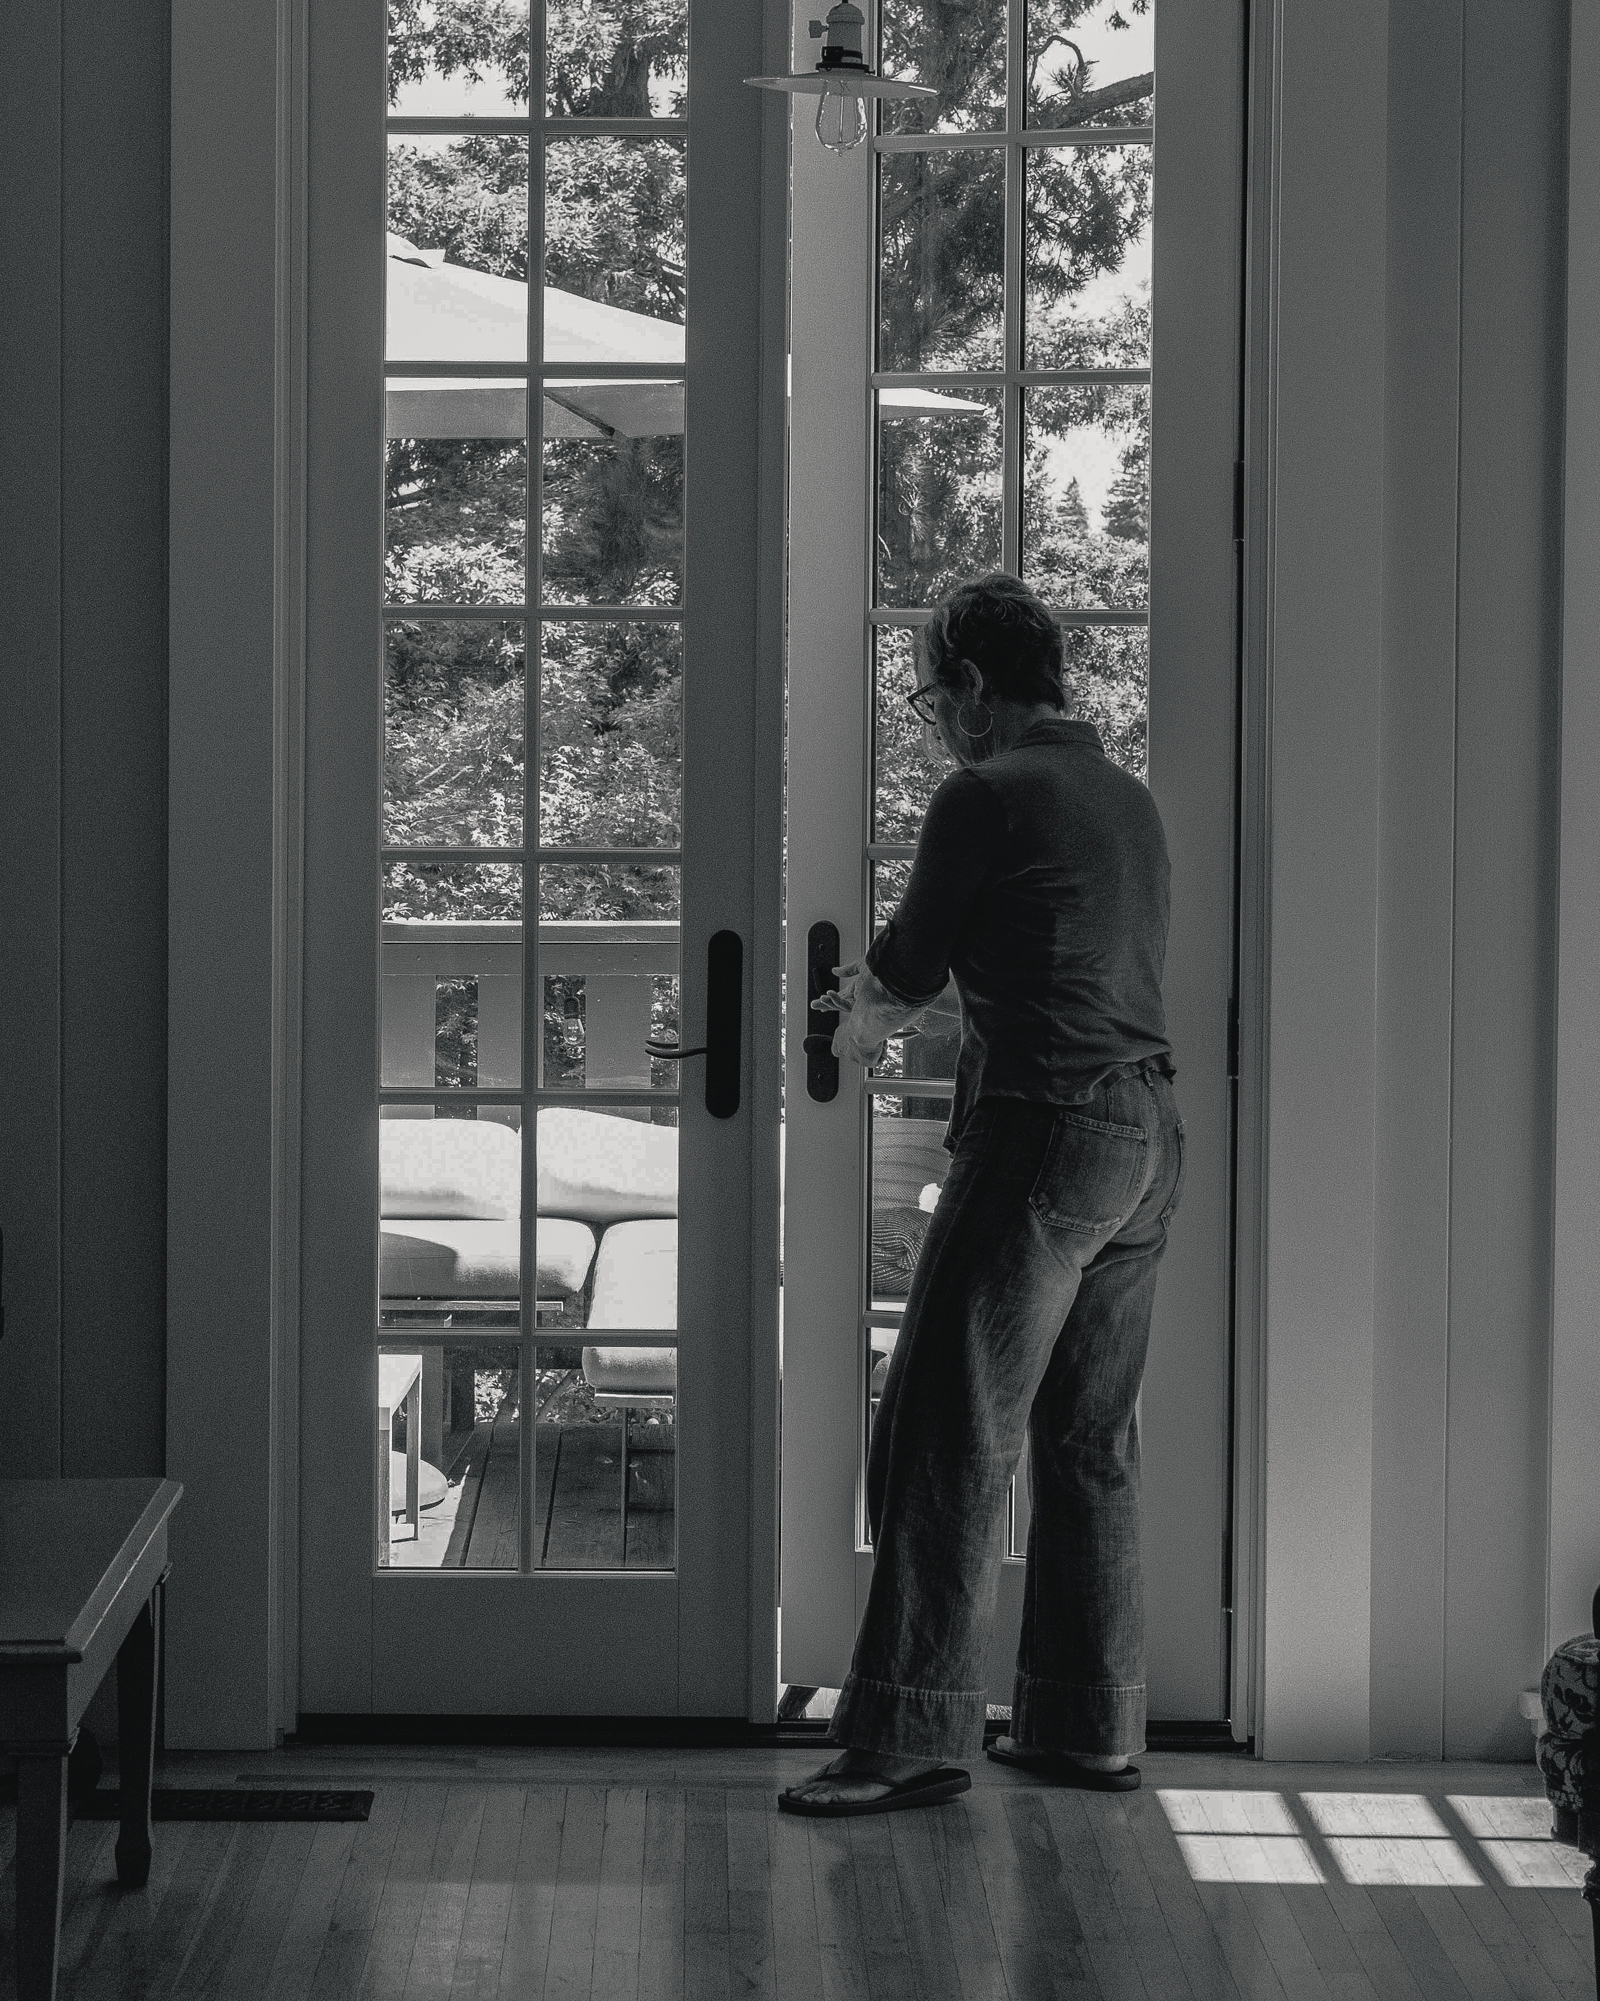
x=619, y=963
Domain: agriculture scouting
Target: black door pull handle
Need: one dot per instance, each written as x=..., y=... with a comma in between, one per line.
x=822, y=1066
x=670, y=1052
x=724, y=1022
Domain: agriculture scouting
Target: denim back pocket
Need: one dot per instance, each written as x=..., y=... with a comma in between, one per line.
x=1092, y=1177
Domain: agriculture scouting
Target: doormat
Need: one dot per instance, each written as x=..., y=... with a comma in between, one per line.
x=233, y=1803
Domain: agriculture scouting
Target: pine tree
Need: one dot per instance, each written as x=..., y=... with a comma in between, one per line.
x=1074, y=516
x=1127, y=508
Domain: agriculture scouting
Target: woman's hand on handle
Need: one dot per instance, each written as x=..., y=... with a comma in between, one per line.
x=871, y=1014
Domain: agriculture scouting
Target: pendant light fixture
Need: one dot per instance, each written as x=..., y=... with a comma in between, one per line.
x=842, y=82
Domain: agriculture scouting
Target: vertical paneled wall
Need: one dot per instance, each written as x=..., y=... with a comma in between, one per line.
x=83, y=916
x=1468, y=870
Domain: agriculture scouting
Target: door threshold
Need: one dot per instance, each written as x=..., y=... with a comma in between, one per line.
x=676, y=1733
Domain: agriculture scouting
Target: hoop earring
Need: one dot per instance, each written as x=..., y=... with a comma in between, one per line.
x=961, y=712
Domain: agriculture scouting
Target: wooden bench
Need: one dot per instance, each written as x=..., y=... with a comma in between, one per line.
x=82, y=1563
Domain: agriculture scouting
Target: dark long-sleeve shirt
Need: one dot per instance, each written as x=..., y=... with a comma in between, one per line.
x=1040, y=883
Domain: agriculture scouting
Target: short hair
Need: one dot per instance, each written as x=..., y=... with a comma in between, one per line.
x=1008, y=634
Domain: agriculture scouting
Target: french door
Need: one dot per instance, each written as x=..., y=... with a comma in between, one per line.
x=538, y=1377
x=1016, y=341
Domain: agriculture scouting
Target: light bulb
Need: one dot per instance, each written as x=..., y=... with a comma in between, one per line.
x=841, y=120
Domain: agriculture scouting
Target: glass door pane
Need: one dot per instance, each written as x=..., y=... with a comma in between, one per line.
x=532, y=806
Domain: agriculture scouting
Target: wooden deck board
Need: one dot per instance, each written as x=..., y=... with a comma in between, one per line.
x=586, y=1506
x=455, y=1556
x=493, y=1536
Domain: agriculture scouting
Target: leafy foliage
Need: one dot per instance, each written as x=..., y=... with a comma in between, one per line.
x=614, y=210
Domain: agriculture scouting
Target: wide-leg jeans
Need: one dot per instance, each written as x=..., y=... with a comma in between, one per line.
x=1028, y=1316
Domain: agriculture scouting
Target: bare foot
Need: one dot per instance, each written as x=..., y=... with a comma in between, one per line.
x=858, y=1776
x=1091, y=1761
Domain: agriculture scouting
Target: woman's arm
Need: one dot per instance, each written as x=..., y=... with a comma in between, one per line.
x=957, y=853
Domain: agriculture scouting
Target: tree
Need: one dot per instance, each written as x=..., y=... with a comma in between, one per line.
x=612, y=525
x=1127, y=509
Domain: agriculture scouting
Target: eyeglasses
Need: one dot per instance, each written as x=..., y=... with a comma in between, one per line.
x=920, y=702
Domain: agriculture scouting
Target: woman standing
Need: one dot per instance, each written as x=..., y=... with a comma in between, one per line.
x=1040, y=884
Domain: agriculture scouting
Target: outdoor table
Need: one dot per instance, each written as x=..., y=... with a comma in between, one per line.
x=82, y=1563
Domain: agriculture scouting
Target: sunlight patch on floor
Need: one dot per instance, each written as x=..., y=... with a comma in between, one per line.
x=1403, y=1840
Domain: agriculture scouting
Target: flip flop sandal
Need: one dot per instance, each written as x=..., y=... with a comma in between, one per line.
x=1057, y=1770
x=945, y=1782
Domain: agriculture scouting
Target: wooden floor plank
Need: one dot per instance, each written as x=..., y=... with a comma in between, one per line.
x=294, y=1966
x=841, y=1950
x=1026, y=1963
x=266, y=1916
x=1204, y=1963
x=481, y=1950
x=149, y=1930
x=1341, y=1965
x=979, y=1972
x=1075, y=1903
x=431, y=1973
x=1253, y=1851
x=232, y=1886
x=620, y=1914
x=355, y=1907
x=569, y=1972
x=1392, y=1832
x=890, y=1976
x=88, y=1899
x=533, y=1893
x=930, y=1950
x=705, y=1895
x=1157, y=1957
x=797, y=1956
x=662, y=1898
x=751, y=1960
x=399, y=1913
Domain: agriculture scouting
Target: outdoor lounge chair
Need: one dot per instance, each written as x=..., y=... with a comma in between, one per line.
x=451, y=1229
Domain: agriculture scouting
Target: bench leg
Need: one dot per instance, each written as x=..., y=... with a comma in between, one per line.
x=41, y=1864
x=136, y=1749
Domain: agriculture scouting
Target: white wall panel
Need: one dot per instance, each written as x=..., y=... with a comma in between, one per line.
x=1324, y=655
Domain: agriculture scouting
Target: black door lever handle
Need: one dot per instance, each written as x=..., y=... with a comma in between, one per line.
x=723, y=1046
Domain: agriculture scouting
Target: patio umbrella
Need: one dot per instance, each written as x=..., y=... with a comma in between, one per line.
x=446, y=312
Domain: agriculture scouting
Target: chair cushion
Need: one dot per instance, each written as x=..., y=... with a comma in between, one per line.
x=442, y=1259
x=636, y=1276
x=906, y=1155
x=467, y=1168
x=897, y=1235
x=605, y=1169
x=1564, y=1765
x=639, y=1372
